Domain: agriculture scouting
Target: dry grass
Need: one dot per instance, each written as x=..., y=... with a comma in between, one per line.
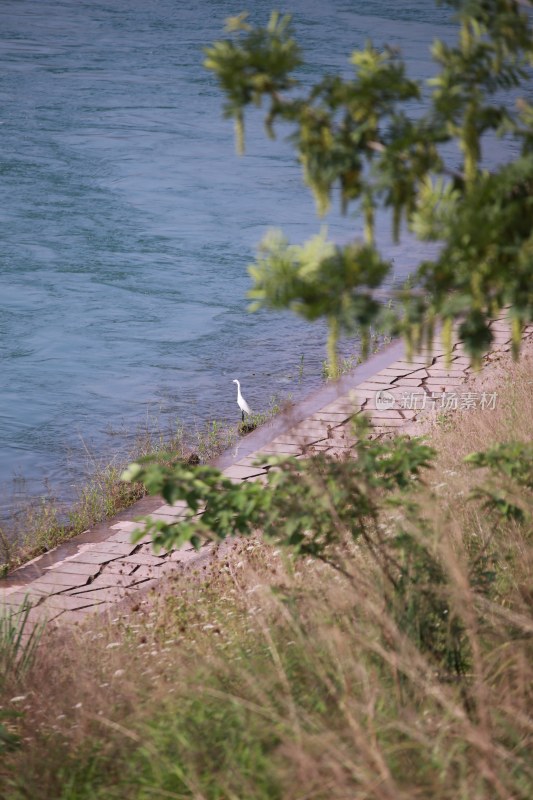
x=269, y=677
x=40, y=523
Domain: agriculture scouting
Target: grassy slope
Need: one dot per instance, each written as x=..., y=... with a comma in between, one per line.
x=39, y=524
x=272, y=678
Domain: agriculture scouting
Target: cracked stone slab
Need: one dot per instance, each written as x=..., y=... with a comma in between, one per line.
x=372, y=386
x=184, y=556
x=310, y=428
x=398, y=372
x=118, y=567
x=417, y=360
x=125, y=537
x=30, y=595
x=60, y=578
x=110, y=595
x=128, y=525
x=163, y=517
x=446, y=382
x=142, y=558
x=439, y=372
x=66, y=602
x=281, y=448
x=388, y=422
x=120, y=548
x=331, y=418
x=172, y=511
x=350, y=408
x=42, y=614
x=248, y=461
x=386, y=413
x=55, y=587
x=73, y=568
x=236, y=471
x=95, y=557
x=410, y=382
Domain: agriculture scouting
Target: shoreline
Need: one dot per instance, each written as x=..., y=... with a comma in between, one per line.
x=319, y=422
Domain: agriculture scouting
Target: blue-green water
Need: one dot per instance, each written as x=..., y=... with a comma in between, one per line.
x=128, y=221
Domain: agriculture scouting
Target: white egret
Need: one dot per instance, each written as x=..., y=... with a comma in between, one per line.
x=241, y=402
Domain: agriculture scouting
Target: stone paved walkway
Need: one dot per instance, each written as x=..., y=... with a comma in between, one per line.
x=95, y=571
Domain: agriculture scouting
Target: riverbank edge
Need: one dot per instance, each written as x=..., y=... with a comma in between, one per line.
x=366, y=379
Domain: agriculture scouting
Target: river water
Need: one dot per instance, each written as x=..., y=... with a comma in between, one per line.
x=128, y=221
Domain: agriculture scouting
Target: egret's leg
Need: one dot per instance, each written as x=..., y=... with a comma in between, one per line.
x=243, y=416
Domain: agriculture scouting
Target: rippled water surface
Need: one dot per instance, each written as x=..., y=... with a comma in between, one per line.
x=128, y=221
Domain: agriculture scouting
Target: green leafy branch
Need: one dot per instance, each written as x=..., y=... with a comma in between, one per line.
x=356, y=137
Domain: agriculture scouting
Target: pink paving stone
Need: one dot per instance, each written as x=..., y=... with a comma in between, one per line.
x=417, y=361
x=95, y=557
x=111, y=595
x=85, y=612
x=332, y=419
x=300, y=440
x=436, y=350
x=315, y=429
x=70, y=618
x=184, y=556
x=320, y=432
x=386, y=376
x=110, y=580
x=17, y=597
x=118, y=567
x=42, y=614
x=67, y=602
x=408, y=414
x=441, y=372
x=500, y=325
x=124, y=537
x=236, y=471
x=142, y=559
x=397, y=390
x=320, y=448
x=436, y=381
x=147, y=550
x=14, y=607
x=54, y=587
x=280, y=448
x=398, y=371
x=173, y=511
x=164, y=518
x=343, y=406
x=419, y=373
x=373, y=409
x=143, y=572
x=128, y=525
x=258, y=479
x=388, y=422
x=60, y=578
x=73, y=568
x=121, y=548
x=311, y=426
x=372, y=386
x=460, y=363
x=391, y=413
x=411, y=382
x=248, y=461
